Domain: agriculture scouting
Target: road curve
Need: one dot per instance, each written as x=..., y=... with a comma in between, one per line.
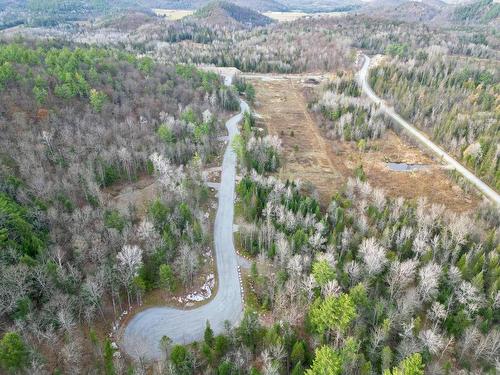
x=141, y=337
x=421, y=138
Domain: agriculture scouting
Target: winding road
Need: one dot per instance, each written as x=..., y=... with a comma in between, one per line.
x=141, y=337
x=421, y=138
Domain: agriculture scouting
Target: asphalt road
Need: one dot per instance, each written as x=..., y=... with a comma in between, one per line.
x=421, y=138
x=141, y=337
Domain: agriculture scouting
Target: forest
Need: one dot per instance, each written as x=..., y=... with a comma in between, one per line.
x=466, y=122
x=122, y=106
x=75, y=121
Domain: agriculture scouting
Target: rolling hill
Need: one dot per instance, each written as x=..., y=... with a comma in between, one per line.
x=224, y=13
x=259, y=5
x=437, y=12
x=483, y=11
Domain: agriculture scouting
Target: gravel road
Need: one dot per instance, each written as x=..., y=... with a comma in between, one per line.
x=142, y=335
x=421, y=138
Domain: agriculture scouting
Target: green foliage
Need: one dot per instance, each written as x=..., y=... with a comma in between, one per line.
x=345, y=86
x=19, y=228
x=244, y=87
x=7, y=73
x=226, y=368
x=13, y=352
x=298, y=369
x=109, y=367
x=326, y=362
x=208, y=335
x=48, y=13
x=323, y=272
x=359, y=295
x=139, y=284
x=165, y=134
x=189, y=116
x=470, y=90
x=181, y=359
x=208, y=81
x=40, y=94
x=332, y=313
x=97, y=99
x=250, y=93
x=23, y=308
x=165, y=343
x=158, y=211
x=113, y=219
x=65, y=73
x=386, y=358
x=481, y=11
x=221, y=346
x=249, y=330
x=411, y=365
x=108, y=174
x=146, y=65
x=167, y=278
x=397, y=49
x=298, y=354
x=359, y=172
x=260, y=154
x=228, y=98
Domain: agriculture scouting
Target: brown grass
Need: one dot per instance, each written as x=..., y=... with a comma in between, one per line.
x=327, y=164
x=284, y=113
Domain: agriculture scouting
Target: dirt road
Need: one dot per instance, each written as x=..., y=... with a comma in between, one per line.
x=421, y=138
x=141, y=337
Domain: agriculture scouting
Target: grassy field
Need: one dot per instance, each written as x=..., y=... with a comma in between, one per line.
x=309, y=156
x=173, y=14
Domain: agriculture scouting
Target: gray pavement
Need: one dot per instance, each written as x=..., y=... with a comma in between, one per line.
x=141, y=337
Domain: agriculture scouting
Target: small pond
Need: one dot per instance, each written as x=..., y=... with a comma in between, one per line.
x=405, y=167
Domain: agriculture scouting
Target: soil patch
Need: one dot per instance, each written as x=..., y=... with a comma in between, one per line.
x=282, y=106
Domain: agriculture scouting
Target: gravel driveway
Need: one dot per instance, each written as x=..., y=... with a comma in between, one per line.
x=141, y=337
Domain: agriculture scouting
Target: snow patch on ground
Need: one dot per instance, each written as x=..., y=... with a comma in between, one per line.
x=203, y=294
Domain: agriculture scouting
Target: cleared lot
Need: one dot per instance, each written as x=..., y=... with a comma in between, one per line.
x=282, y=106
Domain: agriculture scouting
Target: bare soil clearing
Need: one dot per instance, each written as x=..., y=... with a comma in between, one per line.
x=284, y=113
x=137, y=194
x=281, y=104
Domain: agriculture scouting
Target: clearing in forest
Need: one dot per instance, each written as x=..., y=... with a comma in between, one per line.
x=282, y=109
x=309, y=156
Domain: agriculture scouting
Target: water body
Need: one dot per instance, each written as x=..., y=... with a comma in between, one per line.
x=406, y=167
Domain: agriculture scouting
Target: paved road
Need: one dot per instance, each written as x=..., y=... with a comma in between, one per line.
x=143, y=333
x=419, y=136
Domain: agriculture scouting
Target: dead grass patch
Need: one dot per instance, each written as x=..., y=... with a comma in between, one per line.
x=327, y=164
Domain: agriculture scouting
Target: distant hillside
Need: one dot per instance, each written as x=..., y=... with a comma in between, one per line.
x=54, y=12
x=483, y=11
x=126, y=20
x=224, y=13
x=414, y=11
x=313, y=6
x=407, y=11
x=260, y=5
x=436, y=12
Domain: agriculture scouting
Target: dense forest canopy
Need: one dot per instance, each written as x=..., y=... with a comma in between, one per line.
x=467, y=121
x=75, y=121
x=110, y=131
